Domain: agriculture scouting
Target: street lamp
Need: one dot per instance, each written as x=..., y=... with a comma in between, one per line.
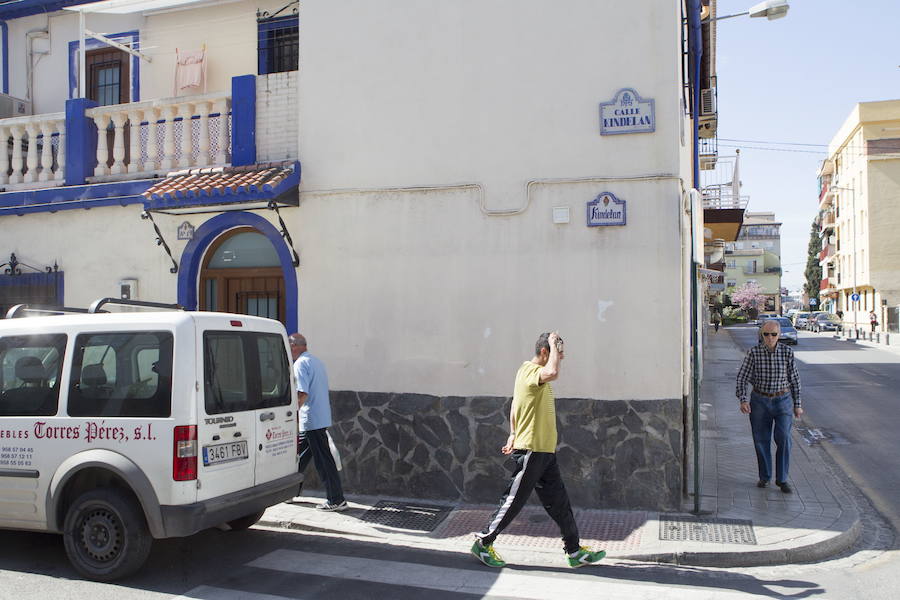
x=770, y=9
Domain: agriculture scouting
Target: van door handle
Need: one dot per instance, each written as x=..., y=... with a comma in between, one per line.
x=237, y=434
x=267, y=416
x=216, y=437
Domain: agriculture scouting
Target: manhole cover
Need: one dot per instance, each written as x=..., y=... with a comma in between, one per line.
x=419, y=517
x=679, y=528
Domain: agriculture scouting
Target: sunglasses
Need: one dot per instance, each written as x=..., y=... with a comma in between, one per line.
x=767, y=333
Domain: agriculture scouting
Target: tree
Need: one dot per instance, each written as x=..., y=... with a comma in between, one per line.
x=813, y=269
x=749, y=297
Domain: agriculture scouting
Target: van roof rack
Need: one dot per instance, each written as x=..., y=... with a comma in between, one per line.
x=95, y=307
x=21, y=310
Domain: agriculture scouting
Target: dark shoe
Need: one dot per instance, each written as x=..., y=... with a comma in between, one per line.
x=785, y=488
x=762, y=483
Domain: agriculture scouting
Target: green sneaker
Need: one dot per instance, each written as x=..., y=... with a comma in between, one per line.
x=487, y=554
x=585, y=556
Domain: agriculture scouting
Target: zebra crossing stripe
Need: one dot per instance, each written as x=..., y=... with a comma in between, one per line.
x=495, y=582
x=208, y=592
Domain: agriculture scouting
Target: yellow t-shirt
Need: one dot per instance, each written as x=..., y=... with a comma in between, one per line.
x=534, y=411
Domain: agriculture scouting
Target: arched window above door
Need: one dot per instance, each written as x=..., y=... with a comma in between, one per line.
x=242, y=250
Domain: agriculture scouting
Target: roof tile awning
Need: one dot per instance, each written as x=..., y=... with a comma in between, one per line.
x=217, y=188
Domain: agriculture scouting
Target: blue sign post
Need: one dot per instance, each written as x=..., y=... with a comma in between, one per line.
x=855, y=297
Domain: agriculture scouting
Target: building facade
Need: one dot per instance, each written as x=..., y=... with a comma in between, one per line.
x=473, y=174
x=755, y=256
x=859, y=185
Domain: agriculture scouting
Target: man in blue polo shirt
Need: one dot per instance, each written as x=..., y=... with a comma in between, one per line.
x=315, y=419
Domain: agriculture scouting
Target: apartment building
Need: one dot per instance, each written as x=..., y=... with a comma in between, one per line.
x=755, y=256
x=859, y=216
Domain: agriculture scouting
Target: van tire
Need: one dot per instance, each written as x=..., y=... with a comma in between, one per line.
x=246, y=522
x=105, y=535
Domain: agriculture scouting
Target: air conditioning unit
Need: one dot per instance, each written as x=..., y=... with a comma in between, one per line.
x=708, y=102
x=13, y=107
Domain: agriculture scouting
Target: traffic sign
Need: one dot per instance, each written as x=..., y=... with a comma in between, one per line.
x=813, y=301
x=854, y=297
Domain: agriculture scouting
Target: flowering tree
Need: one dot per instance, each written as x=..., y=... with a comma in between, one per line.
x=749, y=297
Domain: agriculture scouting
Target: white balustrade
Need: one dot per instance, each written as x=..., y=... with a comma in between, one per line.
x=31, y=160
x=17, y=131
x=168, y=141
x=154, y=139
x=102, y=122
x=118, y=165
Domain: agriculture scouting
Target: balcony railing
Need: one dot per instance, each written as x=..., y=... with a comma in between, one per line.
x=824, y=284
x=144, y=138
x=827, y=252
x=33, y=149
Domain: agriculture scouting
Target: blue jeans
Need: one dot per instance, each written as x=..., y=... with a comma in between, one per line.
x=764, y=413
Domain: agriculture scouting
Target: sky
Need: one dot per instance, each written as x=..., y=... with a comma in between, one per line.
x=794, y=81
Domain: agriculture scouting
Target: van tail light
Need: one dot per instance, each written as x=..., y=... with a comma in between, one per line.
x=184, y=453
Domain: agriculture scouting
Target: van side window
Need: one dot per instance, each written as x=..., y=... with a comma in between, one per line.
x=30, y=368
x=244, y=371
x=122, y=374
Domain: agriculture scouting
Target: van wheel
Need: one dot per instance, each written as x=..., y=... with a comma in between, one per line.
x=105, y=535
x=245, y=522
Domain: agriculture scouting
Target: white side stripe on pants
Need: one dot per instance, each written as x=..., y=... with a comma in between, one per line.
x=513, y=490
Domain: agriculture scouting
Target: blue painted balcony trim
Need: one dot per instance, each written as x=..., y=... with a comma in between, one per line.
x=243, y=120
x=81, y=141
x=122, y=193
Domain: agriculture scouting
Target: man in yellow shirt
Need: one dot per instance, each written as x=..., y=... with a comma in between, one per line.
x=532, y=443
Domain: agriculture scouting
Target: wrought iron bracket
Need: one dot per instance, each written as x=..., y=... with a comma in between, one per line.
x=160, y=241
x=14, y=267
x=285, y=233
x=264, y=15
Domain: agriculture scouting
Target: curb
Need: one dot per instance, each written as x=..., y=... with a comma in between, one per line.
x=812, y=552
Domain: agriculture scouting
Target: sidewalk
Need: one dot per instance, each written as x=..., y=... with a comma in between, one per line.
x=740, y=524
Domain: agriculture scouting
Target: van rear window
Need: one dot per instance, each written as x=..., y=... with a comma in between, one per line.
x=122, y=374
x=30, y=368
x=244, y=371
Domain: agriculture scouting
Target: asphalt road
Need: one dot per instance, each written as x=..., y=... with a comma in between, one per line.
x=851, y=399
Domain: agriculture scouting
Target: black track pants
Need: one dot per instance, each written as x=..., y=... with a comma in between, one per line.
x=537, y=471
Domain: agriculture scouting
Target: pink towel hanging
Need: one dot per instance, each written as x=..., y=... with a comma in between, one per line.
x=190, y=71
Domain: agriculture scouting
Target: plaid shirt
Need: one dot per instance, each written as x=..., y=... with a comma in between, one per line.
x=769, y=372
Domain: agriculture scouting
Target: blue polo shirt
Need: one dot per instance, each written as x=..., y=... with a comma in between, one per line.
x=313, y=380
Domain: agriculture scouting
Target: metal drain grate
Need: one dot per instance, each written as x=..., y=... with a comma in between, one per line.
x=680, y=528
x=418, y=517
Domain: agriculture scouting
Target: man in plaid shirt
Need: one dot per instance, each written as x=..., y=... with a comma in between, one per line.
x=769, y=367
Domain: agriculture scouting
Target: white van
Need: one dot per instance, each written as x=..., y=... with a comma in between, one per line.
x=118, y=428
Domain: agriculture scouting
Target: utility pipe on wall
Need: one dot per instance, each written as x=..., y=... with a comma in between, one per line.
x=695, y=52
x=4, y=33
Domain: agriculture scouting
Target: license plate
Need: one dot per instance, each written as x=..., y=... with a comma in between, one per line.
x=222, y=453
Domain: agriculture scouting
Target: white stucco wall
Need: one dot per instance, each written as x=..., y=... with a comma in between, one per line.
x=98, y=248
x=421, y=291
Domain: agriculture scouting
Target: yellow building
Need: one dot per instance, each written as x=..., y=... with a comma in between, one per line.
x=755, y=256
x=859, y=216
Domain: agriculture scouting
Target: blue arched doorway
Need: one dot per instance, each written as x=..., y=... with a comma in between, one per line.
x=239, y=236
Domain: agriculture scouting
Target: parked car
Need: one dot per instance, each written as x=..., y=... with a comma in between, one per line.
x=788, y=332
x=121, y=428
x=800, y=320
x=825, y=322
